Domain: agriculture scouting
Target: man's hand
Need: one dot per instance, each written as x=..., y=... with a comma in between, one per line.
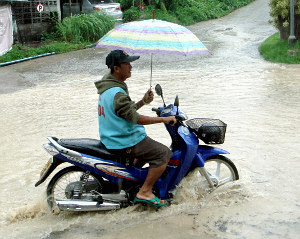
x=148, y=97
x=170, y=120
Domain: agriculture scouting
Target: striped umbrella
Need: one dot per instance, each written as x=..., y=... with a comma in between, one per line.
x=153, y=36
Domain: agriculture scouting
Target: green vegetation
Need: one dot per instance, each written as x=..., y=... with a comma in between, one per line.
x=280, y=11
x=132, y=14
x=73, y=33
x=276, y=50
x=19, y=52
x=184, y=12
x=84, y=27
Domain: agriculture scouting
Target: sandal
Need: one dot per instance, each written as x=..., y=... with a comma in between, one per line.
x=153, y=202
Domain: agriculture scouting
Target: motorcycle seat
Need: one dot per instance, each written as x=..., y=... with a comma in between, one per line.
x=91, y=147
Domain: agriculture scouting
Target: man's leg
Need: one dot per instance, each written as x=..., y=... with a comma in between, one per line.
x=152, y=176
x=158, y=156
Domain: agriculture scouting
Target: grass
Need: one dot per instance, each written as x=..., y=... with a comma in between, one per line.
x=275, y=50
x=19, y=51
x=84, y=27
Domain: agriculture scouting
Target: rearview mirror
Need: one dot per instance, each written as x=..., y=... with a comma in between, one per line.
x=158, y=90
x=176, y=102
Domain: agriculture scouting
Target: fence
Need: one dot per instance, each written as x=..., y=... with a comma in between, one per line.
x=31, y=23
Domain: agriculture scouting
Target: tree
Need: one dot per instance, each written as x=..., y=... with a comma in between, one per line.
x=280, y=13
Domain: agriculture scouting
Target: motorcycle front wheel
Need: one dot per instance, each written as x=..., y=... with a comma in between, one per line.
x=221, y=170
x=73, y=183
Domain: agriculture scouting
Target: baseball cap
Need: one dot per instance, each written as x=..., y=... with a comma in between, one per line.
x=116, y=57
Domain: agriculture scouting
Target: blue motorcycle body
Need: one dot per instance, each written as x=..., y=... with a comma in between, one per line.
x=94, y=158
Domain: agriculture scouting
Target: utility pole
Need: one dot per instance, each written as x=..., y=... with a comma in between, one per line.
x=292, y=38
x=58, y=9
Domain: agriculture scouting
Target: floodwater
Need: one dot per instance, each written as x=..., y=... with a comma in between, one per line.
x=258, y=100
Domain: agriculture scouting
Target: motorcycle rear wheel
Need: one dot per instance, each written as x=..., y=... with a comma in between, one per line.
x=62, y=185
x=221, y=170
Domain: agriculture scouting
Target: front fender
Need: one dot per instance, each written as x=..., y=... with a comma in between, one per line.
x=207, y=151
x=204, y=152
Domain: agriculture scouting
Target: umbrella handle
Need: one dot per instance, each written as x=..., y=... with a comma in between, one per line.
x=151, y=73
x=153, y=17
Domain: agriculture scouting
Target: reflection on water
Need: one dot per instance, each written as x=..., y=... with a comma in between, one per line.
x=258, y=100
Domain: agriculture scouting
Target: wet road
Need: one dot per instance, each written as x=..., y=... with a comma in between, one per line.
x=258, y=100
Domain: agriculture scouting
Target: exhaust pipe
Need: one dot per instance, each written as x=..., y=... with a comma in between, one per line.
x=80, y=205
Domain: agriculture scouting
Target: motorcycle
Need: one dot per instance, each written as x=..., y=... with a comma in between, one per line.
x=101, y=180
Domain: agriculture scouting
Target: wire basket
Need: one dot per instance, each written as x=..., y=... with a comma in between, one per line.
x=210, y=131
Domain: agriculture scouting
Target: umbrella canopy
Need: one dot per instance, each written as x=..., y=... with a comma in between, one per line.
x=153, y=36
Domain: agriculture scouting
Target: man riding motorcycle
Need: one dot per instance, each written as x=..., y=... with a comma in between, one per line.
x=121, y=127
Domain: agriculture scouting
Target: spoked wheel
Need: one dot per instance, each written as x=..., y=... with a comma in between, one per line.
x=221, y=170
x=73, y=183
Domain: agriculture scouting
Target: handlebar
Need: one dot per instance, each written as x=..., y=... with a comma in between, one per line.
x=156, y=110
x=178, y=118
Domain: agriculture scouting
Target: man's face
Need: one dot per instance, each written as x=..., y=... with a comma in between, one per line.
x=123, y=71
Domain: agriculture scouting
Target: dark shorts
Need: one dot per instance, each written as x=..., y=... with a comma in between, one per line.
x=152, y=152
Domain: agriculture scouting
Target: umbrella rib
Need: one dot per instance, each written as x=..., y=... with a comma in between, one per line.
x=177, y=38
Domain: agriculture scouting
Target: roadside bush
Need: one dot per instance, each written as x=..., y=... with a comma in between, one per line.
x=160, y=14
x=187, y=12
x=132, y=14
x=127, y=4
x=280, y=13
x=188, y=16
x=84, y=27
x=281, y=9
x=147, y=13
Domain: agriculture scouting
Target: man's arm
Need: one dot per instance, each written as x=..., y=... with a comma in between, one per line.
x=139, y=104
x=147, y=99
x=126, y=109
x=145, y=120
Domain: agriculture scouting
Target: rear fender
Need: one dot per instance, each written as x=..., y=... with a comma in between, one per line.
x=54, y=164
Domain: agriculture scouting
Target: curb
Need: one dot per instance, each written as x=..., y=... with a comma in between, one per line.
x=34, y=57
x=26, y=59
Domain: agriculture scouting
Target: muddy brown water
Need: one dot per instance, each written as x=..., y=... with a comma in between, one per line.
x=55, y=96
